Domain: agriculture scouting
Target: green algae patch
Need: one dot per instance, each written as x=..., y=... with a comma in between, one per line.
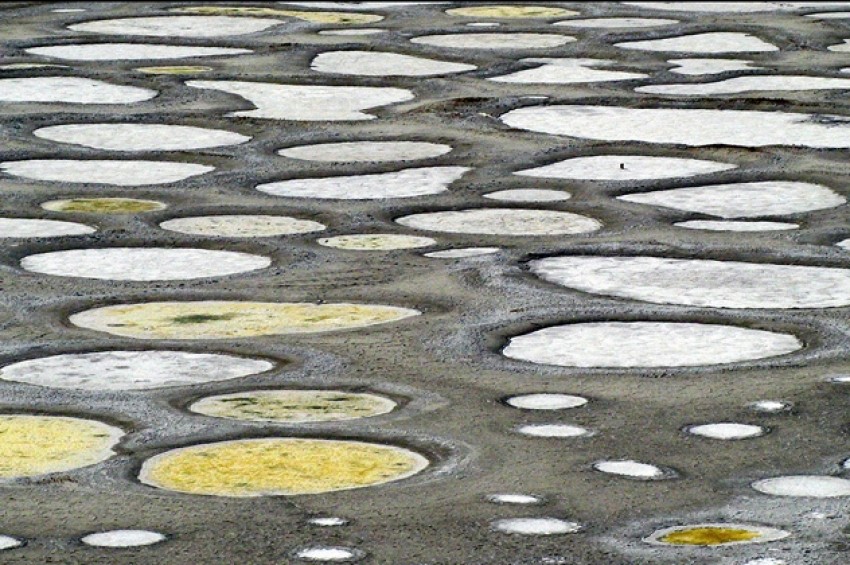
x=104, y=205
x=509, y=11
x=313, y=17
x=37, y=445
x=279, y=467
x=233, y=319
x=293, y=406
x=713, y=535
x=175, y=70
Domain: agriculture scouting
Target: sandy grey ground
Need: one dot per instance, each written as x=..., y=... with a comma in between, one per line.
x=444, y=366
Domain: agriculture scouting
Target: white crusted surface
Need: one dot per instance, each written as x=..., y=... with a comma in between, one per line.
x=406, y=183
x=356, y=31
x=103, y=171
x=841, y=47
x=762, y=83
x=241, y=226
x=178, y=26
x=698, y=282
x=694, y=127
x=73, y=90
x=494, y=40
x=8, y=542
x=744, y=199
x=131, y=370
x=726, y=431
x=770, y=406
x=366, y=151
x=502, y=221
x=718, y=7
x=140, y=137
x=143, y=263
x=321, y=553
x=647, y=344
x=123, y=538
x=637, y=167
x=553, y=430
x=381, y=64
x=546, y=401
x=462, y=252
x=566, y=71
x=629, y=468
x=130, y=51
x=512, y=498
x=733, y=226
x=712, y=42
x=300, y=102
x=26, y=227
x=529, y=195
x=710, y=66
x=536, y=526
x=812, y=486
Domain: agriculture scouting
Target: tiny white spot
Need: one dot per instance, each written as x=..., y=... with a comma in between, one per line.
x=514, y=499
x=123, y=538
x=326, y=554
x=462, y=253
x=629, y=468
x=553, y=430
x=536, y=526
x=328, y=521
x=546, y=401
x=770, y=406
x=726, y=431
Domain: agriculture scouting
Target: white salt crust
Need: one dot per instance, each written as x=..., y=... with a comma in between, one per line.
x=123, y=538
x=515, y=41
x=129, y=51
x=406, y=183
x=502, y=221
x=811, y=486
x=743, y=200
x=722, y=7
x=749, y=84
x=514, y=499
x=143, y=263
x=625, y=168
x=766, y=561
x=304, y=102
x=765, y=534
x=380, y=64
x=691, y=127
x=732, y=226
x=103, y=171
x=8, y=542
x=71, y=90
x=366, y=151
x=320, y=553
x=630, y=468
x=647, y=344
x=529, y=195
x=844, y=244
x=770, y=406
x=327, y=522
x=712, y=42
x=709, y=66
x=841, y=47
x=483, y=24
x=566, y=71
x=357, y=31
x=242, y=226
x=616, y=23
x=726, y=431
x=25, y=227
x=536, y=526
x=699, y=282
x=830, y=15
x=546, y=401
x=178, y=26
x=553, y=430
x=140, y=137
x=462, y=253
x=131, y=370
